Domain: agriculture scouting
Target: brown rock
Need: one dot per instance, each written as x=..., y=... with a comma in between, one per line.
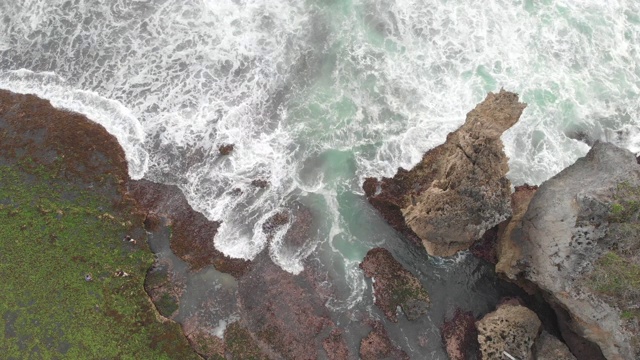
x=335, y=346
x=548, y=347
x=225, y=149
x=192, y=233
x=460, y=336
x=378, y=346
x=394, y=286
x=508, y=252
x=510, y=328
x=459, y=189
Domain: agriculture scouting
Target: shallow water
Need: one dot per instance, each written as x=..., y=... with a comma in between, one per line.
x=317, y=95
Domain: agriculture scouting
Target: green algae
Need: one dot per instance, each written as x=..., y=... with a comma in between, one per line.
x=54, y=232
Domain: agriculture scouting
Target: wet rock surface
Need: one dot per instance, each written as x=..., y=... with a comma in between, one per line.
x=512, y=329
x=192, y=233
x=378, y=346
x=459, y=189
x=335, y=346
x=394, y=286
x=577, y=240
x=460, y=336
x=289, y=315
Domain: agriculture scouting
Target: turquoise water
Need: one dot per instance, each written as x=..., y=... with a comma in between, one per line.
x=318, y=95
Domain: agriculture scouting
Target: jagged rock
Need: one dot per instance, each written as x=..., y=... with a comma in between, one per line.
x=460, y=336
x=578, y=242
x=511, y=328
x=378, y=346
x=191, y=232
x=394, y=286
x=548, y=347
x=508, y=253
x=459, y=189
x=335, y=346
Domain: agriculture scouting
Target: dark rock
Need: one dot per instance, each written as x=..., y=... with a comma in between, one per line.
x=260, y=183
x=394, y=286
x=378, y=346
x=192, y=233
x=459, y=189
x=225, y=149
x=485, y=248
x=460, y=336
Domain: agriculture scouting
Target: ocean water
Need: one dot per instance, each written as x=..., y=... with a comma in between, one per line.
x=316, y=95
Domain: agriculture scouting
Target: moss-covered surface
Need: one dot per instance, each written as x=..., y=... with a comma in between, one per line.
x=394, y=286
x=240, y=345
x=55, y=232
x=616, y=274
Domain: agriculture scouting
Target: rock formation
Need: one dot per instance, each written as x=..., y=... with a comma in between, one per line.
x=394, y=286
x=459, y=189
x=578, y=242
x=512, y=329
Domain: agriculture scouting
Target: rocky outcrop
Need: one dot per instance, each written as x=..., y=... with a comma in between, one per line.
x=578, y=243
x=377, y=345
x=512, y=329
x=394, y=286
x=548, y=347
x=460, y=336
x=459, y=189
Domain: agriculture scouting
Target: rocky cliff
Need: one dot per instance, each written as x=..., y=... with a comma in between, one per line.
x=578, y=242
x=459, y=189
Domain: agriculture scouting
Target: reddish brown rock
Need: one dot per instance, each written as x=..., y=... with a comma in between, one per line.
x=284, y=311
x=460, y=336
x=377, y=345
x=459, y=189
x=191, y=232
x=485, y=248
x=225, y=149
x=335, y=346
x=394, y=286
x=80, y=149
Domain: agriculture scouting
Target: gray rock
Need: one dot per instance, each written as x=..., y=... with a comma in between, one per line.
x=548, y=347
x=564, y=235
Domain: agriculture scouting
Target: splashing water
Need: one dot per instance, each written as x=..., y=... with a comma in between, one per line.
x=317, y=95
